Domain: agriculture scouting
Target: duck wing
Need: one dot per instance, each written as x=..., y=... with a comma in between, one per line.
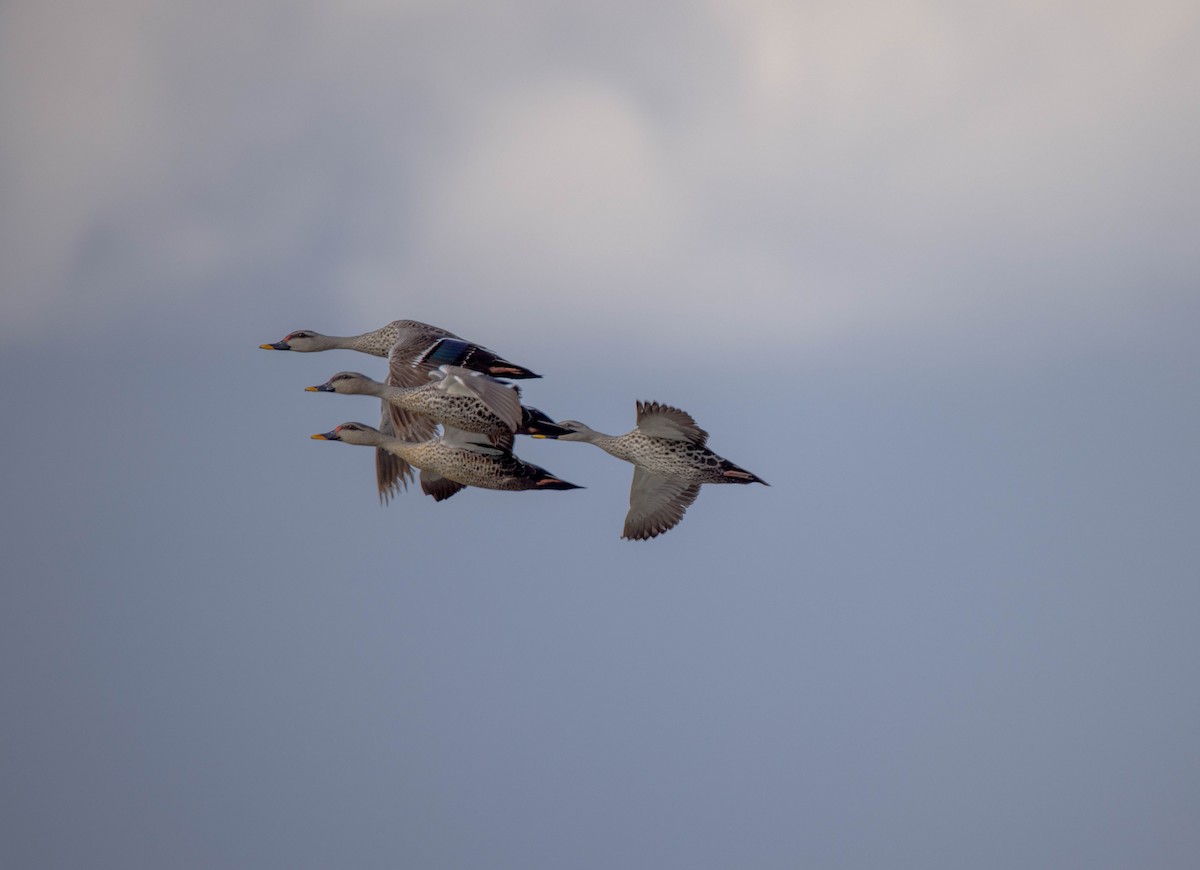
x=503, y=400
x=657, y=503
x=392, y=474
x=663, y=421
x=441, y=488
x=452, y=350
x=474, y=441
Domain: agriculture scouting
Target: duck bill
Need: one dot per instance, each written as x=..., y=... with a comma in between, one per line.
x=323, y=388
x=331, y=435
x=279, y=345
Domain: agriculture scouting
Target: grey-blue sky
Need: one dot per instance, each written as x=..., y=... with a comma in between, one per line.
x=957, y=342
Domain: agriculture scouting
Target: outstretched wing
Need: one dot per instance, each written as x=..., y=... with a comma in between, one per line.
x=663, y=421
x=656, y=503
x=392, y=473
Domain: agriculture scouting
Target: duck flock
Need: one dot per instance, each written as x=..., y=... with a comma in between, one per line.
x=436, y=378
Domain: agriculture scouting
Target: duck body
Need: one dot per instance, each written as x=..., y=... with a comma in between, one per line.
x=675, y=458
x=458, y=397
x=671, y=460
x=409, y=343
x=461, y=398
x=442, y=465
x=456, y=460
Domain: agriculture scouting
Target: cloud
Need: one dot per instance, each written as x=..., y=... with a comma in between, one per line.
x=805, y=169
x=71, y=87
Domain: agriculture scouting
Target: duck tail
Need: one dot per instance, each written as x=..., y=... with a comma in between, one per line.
x=548, y=482
x=737, y=474
x=535, y=422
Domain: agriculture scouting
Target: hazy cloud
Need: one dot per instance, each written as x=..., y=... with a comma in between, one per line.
x=804, y=168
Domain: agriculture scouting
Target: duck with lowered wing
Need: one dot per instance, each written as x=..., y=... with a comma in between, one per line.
x=671, y=460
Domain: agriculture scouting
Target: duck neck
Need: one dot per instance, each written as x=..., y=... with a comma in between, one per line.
x=395, y=446
x=377, y=342
x=365, y=386
x=321, y=341
x=607, y=443
x=386, y=391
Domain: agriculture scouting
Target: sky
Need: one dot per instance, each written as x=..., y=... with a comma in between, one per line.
x=929, y=269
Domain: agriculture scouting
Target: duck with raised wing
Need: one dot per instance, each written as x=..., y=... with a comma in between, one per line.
x=454, y=461
x=413, y=350
x=457, y=397
x=671, y=460
x=413, y=344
